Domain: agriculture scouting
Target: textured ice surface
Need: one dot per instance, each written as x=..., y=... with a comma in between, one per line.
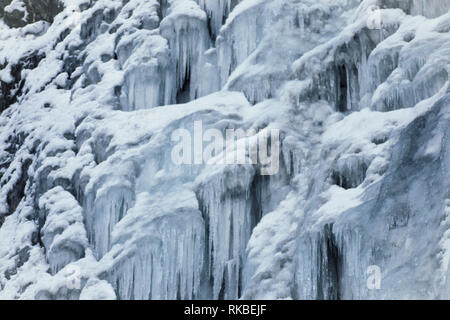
x=92, y=206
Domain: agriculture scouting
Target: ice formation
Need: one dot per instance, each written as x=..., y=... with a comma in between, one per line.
x=93, y=207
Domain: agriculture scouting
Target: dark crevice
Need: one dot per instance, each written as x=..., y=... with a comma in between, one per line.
x=210, y=30
x=341, y=88
x=330, y=263
x=16, y=194
x=341, y=180
x=163, y=7
x=183, y=95
x=379, y=140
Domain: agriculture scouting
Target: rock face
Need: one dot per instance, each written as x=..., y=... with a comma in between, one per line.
x=3, y=4
x=22, y=12
x=351, y=202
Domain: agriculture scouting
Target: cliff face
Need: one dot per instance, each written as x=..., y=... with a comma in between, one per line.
x=350, y=97
x=19, y=13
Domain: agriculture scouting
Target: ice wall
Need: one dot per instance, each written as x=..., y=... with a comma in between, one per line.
x=226, y=202
x=163, y=260
x=429, y=9
x=88, y=183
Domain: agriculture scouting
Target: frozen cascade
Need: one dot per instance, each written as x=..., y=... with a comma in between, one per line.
x=348, y=65
x=428, y=8
x=187, y=33
x=145, y=76
x=325, y=263
x=230, y=214
x=363, y=117
x=103, y=212
x=143, y=55
x=349, y=172
x=243, y=48
x=105, y=197
x=232, y=203
x=406, y=73
x=240, y=36
x=346, y=245
x=217, y=11
x=63, y=232
x=164, y=259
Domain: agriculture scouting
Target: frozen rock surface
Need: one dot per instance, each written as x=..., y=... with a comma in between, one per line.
x=92, y=205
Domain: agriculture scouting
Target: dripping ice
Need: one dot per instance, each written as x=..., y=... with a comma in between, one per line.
x=87, y=182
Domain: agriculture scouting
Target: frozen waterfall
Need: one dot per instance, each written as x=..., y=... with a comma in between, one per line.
x=357, y=91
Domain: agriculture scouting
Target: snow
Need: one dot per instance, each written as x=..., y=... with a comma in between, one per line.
x=63, y=233
x=18, y=5
x=89, y=189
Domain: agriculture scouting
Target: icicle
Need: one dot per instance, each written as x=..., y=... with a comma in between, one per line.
x=227, y=209
x=145, y=59
x=327, y=264
x=63, y=233
x=350, y=172
x=158, y=250
x=186, y=31
x=103, y=209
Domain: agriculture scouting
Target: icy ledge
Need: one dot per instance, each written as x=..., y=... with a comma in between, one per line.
x=93, y=207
